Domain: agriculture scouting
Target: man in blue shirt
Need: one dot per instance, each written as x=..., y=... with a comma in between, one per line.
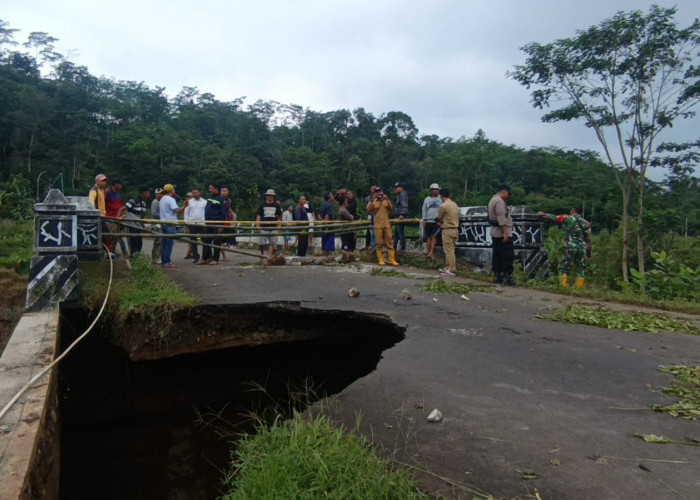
x=168, y=213
x=326, y=214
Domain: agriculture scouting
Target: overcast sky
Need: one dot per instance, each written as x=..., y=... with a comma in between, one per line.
x=443, y=62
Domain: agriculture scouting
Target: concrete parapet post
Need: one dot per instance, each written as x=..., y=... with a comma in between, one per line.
x=89, y=229
x=474, y=243
x=53, y=272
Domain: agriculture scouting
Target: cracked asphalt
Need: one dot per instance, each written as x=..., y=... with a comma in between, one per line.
x=531, y=408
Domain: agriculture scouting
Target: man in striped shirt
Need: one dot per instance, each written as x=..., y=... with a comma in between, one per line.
x=135, y=210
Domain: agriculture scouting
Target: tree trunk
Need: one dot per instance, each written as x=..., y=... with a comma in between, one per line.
x=640, y=222
x=625, y=191
x=29, y=154
x=625, y=237
x=72, y=180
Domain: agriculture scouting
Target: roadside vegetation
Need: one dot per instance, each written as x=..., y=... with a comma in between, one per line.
x=16, y=242
x=309, y=458
x=671, y=283
x=139, y=292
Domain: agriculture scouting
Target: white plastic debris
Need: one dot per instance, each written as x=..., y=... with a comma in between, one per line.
x=435, y=416
x=464, y=297
x=435, y=299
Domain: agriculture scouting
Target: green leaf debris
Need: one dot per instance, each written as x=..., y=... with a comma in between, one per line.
x=619, y=320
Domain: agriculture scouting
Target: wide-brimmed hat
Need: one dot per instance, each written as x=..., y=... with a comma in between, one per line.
x=435, y=185
x=168, y=188
x=270, y=192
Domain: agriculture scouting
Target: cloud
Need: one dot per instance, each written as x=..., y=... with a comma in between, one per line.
x=441, y=62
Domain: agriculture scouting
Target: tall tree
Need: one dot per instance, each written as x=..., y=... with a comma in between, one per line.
x=628, y=79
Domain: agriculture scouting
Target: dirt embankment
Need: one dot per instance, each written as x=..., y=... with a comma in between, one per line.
x=14, y=289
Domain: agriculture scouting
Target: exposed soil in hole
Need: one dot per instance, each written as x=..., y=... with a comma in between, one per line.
x=14, y=291
x=209, y=327
x=129, y=429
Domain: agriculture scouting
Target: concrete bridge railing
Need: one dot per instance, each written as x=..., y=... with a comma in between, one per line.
x=474, y=243
x=67, y=230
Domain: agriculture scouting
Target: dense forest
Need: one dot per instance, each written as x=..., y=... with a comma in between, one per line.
x=60, y=125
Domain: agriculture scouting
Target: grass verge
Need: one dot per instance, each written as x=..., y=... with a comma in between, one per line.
x=141, y=293
x=628, y=321
x=16, y=244
x=627, y=296
x=309, y=458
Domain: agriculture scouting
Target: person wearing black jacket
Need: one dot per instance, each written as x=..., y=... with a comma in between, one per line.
x=214, y=213
x=301, y=215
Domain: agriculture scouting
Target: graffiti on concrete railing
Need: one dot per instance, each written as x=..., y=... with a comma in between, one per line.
x=88, y=233
x=52, y=233
x=533, y=234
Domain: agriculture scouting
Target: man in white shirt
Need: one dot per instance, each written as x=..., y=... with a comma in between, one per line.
x=194, y=214
x=288, y=216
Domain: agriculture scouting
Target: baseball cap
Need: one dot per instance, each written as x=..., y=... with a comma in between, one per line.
x=159, y=190
x=100, y=177
x=435, y=185
x=168, y=188
x=398, y=185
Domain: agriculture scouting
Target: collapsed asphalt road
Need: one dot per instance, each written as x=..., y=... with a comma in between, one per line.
x=530, y=407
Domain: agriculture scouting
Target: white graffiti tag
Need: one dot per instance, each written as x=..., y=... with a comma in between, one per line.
x=60, y=233
x=88, y=233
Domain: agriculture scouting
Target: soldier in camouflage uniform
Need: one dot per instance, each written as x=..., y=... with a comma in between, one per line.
x=577, y=245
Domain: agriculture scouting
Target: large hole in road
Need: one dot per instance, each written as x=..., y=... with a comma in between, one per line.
x=148, y=430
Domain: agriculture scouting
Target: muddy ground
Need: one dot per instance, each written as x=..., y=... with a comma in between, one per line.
x=14, y=289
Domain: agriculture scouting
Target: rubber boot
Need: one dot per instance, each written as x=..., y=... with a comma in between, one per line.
x=580, y=282
x=563, y=280
x=380, y=258
x=498, y=278
x=392, y=258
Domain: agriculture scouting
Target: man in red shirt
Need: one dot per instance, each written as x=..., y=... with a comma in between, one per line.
x=115, y=208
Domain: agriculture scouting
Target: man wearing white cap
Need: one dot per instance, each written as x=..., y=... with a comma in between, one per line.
x=431, y=209
x=269, y=212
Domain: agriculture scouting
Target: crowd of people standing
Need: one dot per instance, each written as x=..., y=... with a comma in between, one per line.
x=209, y=223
